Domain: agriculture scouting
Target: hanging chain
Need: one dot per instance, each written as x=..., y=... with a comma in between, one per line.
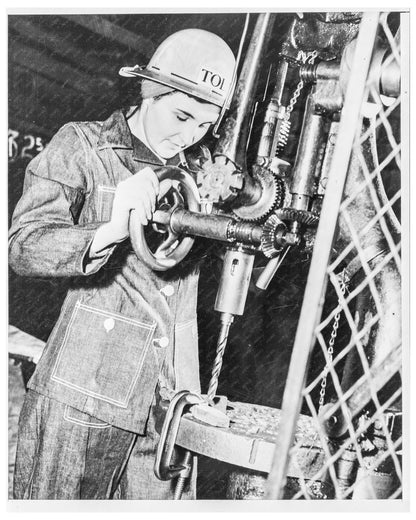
x=284, y=127
x=304, y=57
x=343, y=280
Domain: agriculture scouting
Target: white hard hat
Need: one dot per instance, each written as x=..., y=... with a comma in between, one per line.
x=193, y=61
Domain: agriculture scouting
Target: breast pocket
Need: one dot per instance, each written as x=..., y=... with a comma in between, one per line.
x=102, y=354
x=105, y=202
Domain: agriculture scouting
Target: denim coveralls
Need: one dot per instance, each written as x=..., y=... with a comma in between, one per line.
x=123, y=328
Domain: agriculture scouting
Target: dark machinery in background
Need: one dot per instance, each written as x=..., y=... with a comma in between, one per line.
x=258, y=199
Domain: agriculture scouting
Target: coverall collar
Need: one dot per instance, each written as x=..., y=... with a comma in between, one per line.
x=115, y=133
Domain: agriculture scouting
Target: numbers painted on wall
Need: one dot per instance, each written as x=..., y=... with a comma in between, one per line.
x=24, y=146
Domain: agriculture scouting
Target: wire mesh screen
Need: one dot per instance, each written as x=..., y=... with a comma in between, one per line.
x=353, y=449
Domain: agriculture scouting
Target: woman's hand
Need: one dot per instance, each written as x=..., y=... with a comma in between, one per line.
x=139, y=192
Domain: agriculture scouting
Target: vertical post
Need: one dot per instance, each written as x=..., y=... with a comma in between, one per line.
x=317, y=279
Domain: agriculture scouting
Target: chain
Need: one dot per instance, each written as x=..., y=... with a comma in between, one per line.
x=284, y=129
x=343, y=286
x=304, y=57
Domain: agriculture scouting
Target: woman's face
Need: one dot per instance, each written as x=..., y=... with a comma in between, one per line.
x=176, y=121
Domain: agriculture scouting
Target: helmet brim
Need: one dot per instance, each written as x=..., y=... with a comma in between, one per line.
x=210, y=97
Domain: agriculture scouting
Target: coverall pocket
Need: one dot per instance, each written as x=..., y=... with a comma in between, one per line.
x=83, y=419
x=105, y=202
x=102, y=354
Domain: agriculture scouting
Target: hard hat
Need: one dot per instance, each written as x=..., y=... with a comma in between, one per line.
x=193, y=61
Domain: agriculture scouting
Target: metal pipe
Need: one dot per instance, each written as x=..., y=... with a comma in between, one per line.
x=317, y=279
x=234, y=134
x=216, y=227
x=302, y=185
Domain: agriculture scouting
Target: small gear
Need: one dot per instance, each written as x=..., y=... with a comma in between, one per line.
x=302, y=216
x=272, y=196
x=219, y=180
x=268, y=242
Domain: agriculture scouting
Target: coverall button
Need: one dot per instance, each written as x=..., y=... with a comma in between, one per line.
x=168, y=290
x=162, y=342
x=109, y=324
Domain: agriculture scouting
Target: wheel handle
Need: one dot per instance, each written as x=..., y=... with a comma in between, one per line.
x=177, y=189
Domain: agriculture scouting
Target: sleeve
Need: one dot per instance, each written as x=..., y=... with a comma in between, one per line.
x=45, y=238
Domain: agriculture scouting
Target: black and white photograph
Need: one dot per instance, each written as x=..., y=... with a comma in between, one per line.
x=206, y=296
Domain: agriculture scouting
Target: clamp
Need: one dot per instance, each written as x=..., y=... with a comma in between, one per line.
x=164, y=468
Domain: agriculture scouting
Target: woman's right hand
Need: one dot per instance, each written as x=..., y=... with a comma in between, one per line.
x=138, y=192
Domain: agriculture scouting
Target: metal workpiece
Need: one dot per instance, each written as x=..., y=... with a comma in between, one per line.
x=249, y=440
x=312, y=135
x=235, y=281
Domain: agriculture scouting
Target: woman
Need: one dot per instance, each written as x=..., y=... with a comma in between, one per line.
x=126, y=336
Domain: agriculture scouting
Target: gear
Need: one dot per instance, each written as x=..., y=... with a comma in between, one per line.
x=218, y=179
x=268, y=242
x=302, y=216
x=272, y=196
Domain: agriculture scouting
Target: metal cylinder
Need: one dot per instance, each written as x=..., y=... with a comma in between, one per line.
x=274, y=112
x=302, y=186
x=216, y=227
x=390, y=77
x=235, y=280
x=199, y=224
x=269, y=125
x=234, y=134
x=329, y=152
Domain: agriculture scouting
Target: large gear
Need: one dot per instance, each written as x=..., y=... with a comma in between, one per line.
x=272, y=196
x=268, y=238
x=299, y=215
